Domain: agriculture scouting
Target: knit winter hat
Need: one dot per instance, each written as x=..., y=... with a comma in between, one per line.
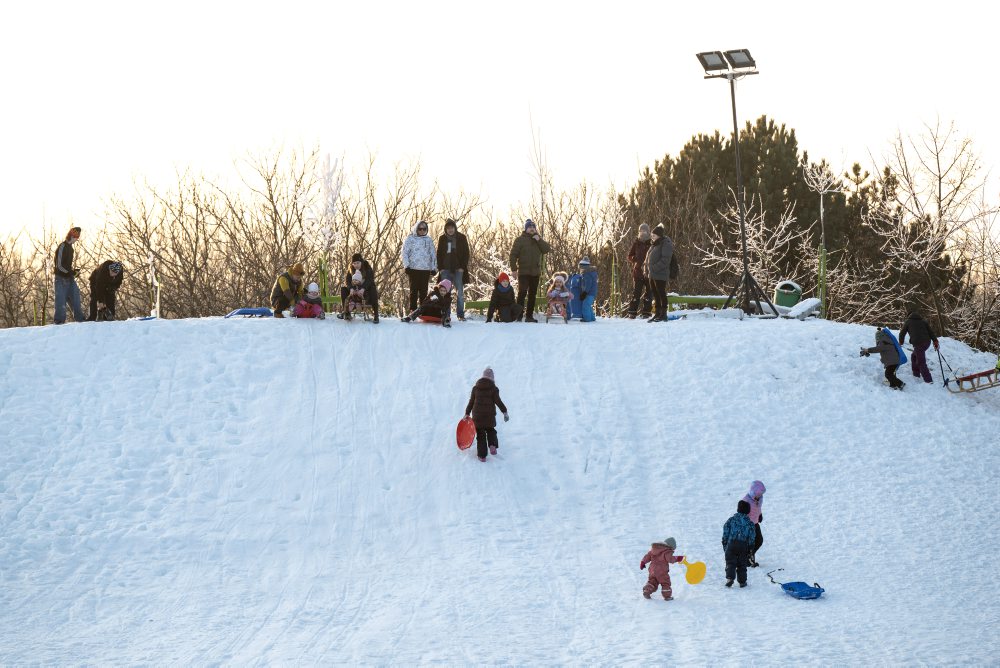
x=670, y=542
x=74, y=233
x=585, y=261
x=488, y=373
x=312, y=287
x=357, y=258
x=503, y=277
x=297, y=269
x=357, y=277
x=743, y=507
x=558, y=277
x=644, y=230
x=658, y=230
x=528, y=223
x=446, y=284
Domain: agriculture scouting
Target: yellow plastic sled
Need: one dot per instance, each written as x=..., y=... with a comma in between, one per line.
x=695, y=571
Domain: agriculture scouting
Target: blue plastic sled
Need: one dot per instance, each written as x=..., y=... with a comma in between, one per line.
x=799, y=590
x=262, y=312
x=895, y=342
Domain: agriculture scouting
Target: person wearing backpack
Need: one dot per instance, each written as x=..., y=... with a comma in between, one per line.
x=657, y=270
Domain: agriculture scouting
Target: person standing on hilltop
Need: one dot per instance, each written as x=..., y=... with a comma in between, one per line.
x=66, y=289
x=526, y=261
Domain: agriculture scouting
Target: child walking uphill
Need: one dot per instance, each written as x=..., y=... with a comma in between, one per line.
x=737, y=537
x=485, y=395
x=888, y=355
x=659, y=558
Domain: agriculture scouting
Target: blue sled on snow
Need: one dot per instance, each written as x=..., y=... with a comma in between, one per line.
x=799, y=590
x=262, y=312
x=895, y=342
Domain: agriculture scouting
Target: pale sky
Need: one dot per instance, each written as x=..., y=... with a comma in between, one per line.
x=95, y=93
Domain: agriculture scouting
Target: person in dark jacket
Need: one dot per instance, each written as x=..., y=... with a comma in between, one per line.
x=358, y=263
x=288, y=289
x=737, y=536
x=526, y=260
x=642, y=293
x=657, y=270
x=66, y=289
x=453, y=262
x=921, y=336
x=888, y=355
x=485, y=395
x=503, y=305
x=437, y=306
x=104, y=284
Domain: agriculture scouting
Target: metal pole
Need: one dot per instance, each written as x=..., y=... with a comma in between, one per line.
x=739, y=196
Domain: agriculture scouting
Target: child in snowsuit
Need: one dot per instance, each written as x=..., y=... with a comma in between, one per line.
x=503, y=302
x=921, y=336
x=737, y=537
x=485, y=395
x=659, y=558
x=437, y=305
x=755, y=497
x=558, y=295
x=888, y=356
x=356, y=295
x=311, y=305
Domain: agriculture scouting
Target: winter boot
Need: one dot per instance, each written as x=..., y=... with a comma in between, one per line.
x=493, y=450
x=407, y=318
x=742, y=585
x=482, y=459
x=729, y=583
x=646, y=594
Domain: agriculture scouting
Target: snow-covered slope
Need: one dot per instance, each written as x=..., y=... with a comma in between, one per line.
x=243, y=491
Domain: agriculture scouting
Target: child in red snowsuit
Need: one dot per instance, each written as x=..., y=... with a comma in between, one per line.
x=310, y=305
x=659, y=559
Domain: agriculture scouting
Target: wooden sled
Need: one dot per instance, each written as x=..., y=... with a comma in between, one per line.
x=983, y=380
x=557, y=309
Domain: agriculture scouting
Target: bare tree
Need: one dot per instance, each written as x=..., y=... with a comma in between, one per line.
x=938, y=186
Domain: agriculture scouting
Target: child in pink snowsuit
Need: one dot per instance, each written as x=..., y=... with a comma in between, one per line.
x=659, y=559
x=755, y=497
x=310, y=306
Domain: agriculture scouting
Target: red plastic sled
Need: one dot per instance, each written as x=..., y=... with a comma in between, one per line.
x=465, y=434
x=429, y=318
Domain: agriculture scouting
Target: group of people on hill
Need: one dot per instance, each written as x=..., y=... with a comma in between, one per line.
x=568, y=296
x=104, y=284
x=741, y=539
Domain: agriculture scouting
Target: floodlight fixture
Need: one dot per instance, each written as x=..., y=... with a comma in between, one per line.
x=740, y=59
x=713, y=61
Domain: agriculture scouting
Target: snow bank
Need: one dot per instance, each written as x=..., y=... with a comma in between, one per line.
x=240, y=491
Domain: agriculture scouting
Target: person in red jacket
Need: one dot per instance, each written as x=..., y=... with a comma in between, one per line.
x=485, y=395
x=642, y=294
x=659, y=559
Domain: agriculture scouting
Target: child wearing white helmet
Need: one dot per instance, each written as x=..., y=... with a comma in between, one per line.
x=311, y=304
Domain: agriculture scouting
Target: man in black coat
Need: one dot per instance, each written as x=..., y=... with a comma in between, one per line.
x=104, y=284
x=453, y=261
x=921, y=336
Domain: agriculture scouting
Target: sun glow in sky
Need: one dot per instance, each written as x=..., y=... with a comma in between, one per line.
x=96, y=94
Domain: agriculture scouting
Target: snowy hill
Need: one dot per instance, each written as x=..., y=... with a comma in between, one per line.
x=283, y=492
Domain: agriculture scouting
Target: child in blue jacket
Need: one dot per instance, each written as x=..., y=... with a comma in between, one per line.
x=738, y=535
x=584, y=288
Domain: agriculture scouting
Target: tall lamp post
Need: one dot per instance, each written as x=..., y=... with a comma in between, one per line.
x=733, y=65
